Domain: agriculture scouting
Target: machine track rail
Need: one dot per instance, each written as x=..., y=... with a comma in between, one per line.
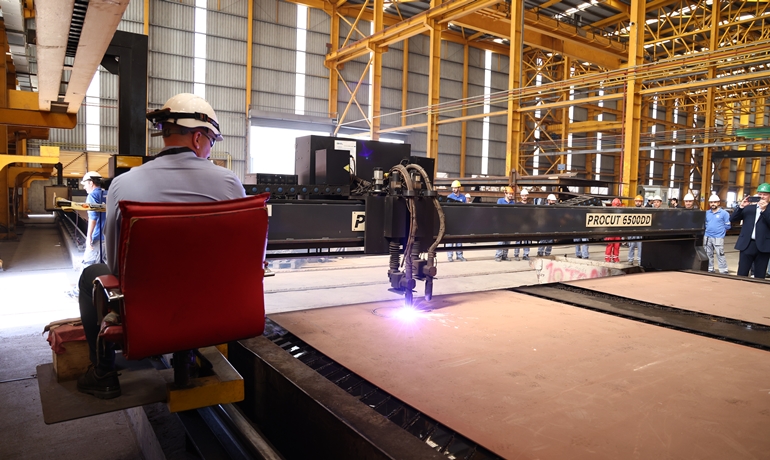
x=439, y=437
x=722, y=328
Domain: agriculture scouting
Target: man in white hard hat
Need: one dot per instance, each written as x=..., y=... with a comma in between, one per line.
x=179, y=173
x=545, y=250
x=458, y=197
x=717, y=225
x=509, y=197
x=689, y=202
x=523, y=199
x=657, y=201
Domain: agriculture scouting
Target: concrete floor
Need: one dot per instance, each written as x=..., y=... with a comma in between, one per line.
x=38, y=273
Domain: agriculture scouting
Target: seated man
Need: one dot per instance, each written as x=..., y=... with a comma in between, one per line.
x=181, y=172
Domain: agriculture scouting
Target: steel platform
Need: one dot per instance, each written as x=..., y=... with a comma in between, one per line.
x=526, y=377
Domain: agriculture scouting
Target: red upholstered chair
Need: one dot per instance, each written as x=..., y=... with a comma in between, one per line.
x=190, y=275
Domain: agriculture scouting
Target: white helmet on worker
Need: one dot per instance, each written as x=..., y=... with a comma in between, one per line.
x=90, y=176
x=524, y=192
x=657, y=198
x=551, y=197
x=714, y=197
x=456, y=184
x=186, y=110
x=689, y=197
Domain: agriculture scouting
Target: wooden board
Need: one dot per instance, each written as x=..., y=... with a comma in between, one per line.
x=532, y=379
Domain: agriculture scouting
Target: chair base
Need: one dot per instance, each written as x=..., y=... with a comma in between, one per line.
x=141, y=384
x=224, y=387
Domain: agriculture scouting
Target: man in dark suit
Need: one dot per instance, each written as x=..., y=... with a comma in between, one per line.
x=754, y=240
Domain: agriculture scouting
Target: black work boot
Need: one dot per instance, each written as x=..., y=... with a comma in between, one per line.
x=102, y=384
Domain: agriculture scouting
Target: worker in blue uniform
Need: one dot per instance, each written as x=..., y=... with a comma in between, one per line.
x=458, y=197
x=508, y=198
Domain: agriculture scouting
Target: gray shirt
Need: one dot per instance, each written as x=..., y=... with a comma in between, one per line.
x=180, y=177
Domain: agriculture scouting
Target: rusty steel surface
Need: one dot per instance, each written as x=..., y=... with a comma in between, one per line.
x=734, y=298
x=533, y=379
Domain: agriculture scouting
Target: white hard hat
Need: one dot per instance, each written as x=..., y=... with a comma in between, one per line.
x=187, y=110
x=90, y=175
x=715, y=197
x=657, y=198
x=551, y=197
x=689, y=197
x=524, y=192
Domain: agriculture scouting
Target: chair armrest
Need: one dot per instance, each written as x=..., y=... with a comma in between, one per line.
x=106, y=295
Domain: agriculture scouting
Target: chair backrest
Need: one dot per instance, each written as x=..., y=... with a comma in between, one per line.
x=191, y=274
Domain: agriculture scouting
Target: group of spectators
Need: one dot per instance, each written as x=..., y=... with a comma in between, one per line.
x=753, y=242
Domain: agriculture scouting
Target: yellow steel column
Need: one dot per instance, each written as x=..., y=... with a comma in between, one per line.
x=565, y=112
x=374, y=128
x=706, y=168
x=513, y=141
x=405, y=82
x=5, y=183
x=147, y=17
x=434, y=82
x=334, y=39
x=464, y=124
x=629, y=179
x=744, y=115
x=249, y=52
x=756, y=163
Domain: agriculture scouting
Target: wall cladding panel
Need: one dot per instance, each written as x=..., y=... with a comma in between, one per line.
x=276, y=12
x=171, y=14
x=227, y=75
x=171, y=41
x=275, y=35
x=271, y=81
x=161, y=90
x=171, y=67
x=225, y=50
x=226, y=98
x=314, y=67
x=269, y=57
x=219, y=24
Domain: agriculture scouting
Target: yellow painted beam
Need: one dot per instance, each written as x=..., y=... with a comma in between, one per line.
x=594, y=126
x=6, y=160
x=23, y=110
x=575, y=102
x=629, y=177
x=514, y=119
x=576, y=48
x=415, y=25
